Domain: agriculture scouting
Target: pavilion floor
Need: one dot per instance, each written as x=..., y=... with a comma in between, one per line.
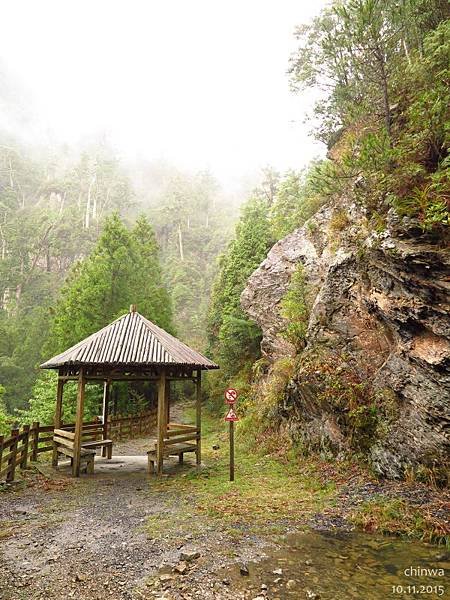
x=130, y=456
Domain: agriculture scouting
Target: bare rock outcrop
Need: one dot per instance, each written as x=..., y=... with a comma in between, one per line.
x=382, y=302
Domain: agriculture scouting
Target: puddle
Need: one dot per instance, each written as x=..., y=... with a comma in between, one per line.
x=335, y=566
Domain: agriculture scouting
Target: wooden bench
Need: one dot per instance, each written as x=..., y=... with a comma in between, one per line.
x=178, y=440
x=107, y=444
x=64, y=442
x=90, y=439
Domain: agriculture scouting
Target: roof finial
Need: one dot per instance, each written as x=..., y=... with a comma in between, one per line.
x=132, y=308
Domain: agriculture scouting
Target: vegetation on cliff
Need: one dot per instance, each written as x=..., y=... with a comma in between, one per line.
x=384, y=73
x=382, y=68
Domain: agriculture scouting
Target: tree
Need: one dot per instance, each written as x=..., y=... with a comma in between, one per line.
x=122, y=269
x=296, y=200
x=351, y=52
x=383, y=70
x=97, y=290
x=192, y=223
x=41, y=405
x=229, y=331
x=150, y=293
x=5, y=420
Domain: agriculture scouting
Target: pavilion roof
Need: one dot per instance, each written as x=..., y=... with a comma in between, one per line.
x=130, y=341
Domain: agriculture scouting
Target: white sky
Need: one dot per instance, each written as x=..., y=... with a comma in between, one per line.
x=199, y=83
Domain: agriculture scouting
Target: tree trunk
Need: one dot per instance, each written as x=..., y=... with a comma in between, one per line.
x=11, y=180
x=88, y=205
x=385, y=91
x=3, y=251
x=94, y=208
x=62, y=200
x=88, y=209
x=405, y=48
x=180, y=242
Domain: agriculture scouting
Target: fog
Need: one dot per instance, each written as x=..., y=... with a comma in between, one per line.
x=199, y=84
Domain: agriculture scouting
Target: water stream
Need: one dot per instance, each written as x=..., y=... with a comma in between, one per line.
x=335, y=566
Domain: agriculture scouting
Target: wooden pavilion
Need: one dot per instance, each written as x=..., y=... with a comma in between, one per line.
x=131, y=348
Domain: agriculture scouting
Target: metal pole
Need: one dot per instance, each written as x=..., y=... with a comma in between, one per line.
x=231, y=450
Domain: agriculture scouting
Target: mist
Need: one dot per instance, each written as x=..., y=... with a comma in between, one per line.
x=199, y=85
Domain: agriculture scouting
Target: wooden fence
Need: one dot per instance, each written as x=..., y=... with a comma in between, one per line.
x=23, y=445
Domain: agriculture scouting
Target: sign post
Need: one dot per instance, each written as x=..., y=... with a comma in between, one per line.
x=230, y=398
x=231, y=450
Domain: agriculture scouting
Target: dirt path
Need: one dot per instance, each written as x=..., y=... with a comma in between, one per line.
x=87, y=539
x=121, y=534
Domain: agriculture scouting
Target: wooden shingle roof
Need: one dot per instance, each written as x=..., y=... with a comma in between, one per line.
x=131, y=341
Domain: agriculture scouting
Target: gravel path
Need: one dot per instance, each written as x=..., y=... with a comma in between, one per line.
x=86, y=539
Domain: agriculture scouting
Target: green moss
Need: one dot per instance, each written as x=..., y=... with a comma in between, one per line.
x=339, y=220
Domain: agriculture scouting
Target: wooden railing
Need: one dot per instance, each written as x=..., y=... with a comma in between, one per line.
x=120, y=426
x=25, y=444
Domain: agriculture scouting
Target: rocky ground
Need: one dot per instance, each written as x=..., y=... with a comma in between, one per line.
x=87, y=538
x=90, y=538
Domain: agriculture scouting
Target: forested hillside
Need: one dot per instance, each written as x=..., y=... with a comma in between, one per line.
x=51, y=214
x=350, y=352
x=309, y=272
x=82, y=236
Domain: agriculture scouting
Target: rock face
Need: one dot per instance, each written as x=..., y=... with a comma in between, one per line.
x=382, y=302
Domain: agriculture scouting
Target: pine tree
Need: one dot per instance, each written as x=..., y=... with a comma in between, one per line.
x=97, y=289
x=122, y=269
x=150, y=294
x=232, y=337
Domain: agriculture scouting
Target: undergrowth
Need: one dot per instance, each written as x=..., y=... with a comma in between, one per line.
x=397, y=516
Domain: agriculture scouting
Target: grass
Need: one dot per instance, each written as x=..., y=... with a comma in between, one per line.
x=397, y=516
x=277, y=492
x=266, y=495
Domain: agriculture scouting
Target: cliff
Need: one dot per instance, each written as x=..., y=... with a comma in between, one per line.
x=374, y=376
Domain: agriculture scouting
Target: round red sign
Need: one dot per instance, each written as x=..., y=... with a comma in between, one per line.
x=231, y=395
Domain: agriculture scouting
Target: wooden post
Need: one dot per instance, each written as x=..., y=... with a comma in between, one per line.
x=78, y=425
x=35, y=440
x=162, y=425
x=58, y=418
x=198, y=414
x=167, y=401
x=2, y=437
x=231, y=450
x=25, y=442
x=105, y=412
x=13, y=458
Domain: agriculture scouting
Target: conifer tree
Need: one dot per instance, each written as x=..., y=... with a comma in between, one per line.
x=122, y=269
x=232, y=337
x=150, y=294
x=97, y=289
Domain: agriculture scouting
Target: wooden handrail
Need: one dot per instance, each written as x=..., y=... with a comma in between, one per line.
x=181, y=438
x=173, y=425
